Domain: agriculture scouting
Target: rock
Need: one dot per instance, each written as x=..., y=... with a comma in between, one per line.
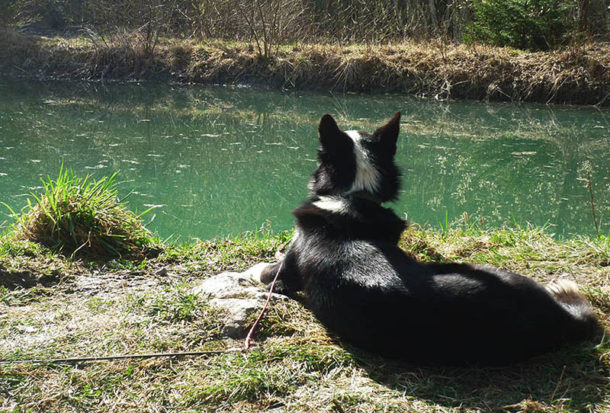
x=238, y=312
x=239, y=294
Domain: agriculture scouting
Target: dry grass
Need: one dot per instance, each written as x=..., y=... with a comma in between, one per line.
x=577, y=74
x=147, y=307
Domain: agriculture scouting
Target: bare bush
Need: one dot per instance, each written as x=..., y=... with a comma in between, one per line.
x=270, y=22
x=267, y=23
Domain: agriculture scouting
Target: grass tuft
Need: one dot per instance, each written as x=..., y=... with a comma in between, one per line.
x=84, y=217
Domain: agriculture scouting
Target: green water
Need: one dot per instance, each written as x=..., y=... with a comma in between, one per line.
x=216, y=161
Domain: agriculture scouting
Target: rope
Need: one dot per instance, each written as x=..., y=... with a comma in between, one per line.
x=260, y=315
x=124, y=356
x=246, y=347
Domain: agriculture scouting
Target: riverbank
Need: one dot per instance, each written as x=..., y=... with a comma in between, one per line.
x=576, y=75
x=57, y=307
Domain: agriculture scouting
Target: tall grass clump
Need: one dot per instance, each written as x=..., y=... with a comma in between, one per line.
x=84, y=217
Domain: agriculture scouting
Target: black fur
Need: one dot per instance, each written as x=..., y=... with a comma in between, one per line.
x=361, y=286
x=337, y=161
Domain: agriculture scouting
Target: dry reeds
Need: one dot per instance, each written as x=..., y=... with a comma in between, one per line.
x=575, y=75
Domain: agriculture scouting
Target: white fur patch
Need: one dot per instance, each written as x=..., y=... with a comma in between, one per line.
x=367, y=176
x=331, y=204
x=254, y=272
x=563, y=288
x=297, y=234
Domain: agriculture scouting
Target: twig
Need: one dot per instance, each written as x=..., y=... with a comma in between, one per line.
x=563, y=372
x=592, y=200
x=601, y=102
x=88, y=241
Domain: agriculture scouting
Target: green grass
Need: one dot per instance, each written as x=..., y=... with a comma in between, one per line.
x=83, y=216
x=53, y=305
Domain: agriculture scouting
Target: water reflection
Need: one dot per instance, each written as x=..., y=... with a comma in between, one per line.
x=215, y=161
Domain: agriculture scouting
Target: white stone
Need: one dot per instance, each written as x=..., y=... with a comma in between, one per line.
x=239, y=295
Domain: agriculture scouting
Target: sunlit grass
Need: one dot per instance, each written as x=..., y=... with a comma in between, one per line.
x=298, y=366
x=520, y=248
x=67, y=308
x=83, y=216
x=434, y=68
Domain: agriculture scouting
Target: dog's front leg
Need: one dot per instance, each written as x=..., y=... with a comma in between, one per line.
x=256, y=271
x=265, y=273
x=288, y=280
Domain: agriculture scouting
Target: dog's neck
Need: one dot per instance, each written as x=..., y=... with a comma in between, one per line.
x=347, y=197
x=346, y=203
x=365, y=196
x=357, y=215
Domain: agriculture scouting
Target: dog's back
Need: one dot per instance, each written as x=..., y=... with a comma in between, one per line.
x=373, y=295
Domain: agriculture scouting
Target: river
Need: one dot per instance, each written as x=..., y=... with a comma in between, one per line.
x=219, y=161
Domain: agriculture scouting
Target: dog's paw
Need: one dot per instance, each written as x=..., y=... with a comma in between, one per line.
x=256, y=271
x=279, y=256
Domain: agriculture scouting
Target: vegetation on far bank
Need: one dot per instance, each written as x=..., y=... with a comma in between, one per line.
x=461, y=49
x=575, y=75
x=53, y=305
x=525, y=24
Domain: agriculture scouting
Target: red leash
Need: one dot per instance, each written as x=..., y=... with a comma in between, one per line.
x=260, y=316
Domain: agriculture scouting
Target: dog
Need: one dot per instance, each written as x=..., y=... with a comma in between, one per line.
x=345, y=260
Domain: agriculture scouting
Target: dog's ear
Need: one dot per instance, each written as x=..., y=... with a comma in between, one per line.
x=388, y=133
x=331, y=137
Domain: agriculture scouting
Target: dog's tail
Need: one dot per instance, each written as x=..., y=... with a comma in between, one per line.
x=584, y=321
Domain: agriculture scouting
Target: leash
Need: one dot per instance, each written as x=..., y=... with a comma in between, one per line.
x=244, y=349
x=260, y=315
x=123, y=357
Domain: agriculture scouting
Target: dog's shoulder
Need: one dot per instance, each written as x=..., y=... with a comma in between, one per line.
x=353, y=218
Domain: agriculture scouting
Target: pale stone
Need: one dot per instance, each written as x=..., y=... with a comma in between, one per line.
x=239, y=295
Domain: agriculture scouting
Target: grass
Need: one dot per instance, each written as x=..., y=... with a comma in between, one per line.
x=148, y=307
x=56, y=305
x=576, y=74
x=83, y=216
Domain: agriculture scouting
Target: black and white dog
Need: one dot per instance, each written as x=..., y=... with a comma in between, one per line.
x=360, y=285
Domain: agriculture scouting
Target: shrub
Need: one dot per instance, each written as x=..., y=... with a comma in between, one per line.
x=524, y=24
x=9, y=12
x=85, y=217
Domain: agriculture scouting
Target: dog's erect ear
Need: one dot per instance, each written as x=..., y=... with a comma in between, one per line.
x=331, y=137
x=388, y=133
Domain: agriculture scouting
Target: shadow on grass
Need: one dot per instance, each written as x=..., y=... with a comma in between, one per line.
x=573, y=378
x=26, y=279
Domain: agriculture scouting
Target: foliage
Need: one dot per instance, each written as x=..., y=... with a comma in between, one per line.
x=535, y=24
x=8, y=13
x=84, y=217
x=357, y=20
x=269, y=21
x=524, y=24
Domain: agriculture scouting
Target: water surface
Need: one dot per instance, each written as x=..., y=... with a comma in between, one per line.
x=215, y=161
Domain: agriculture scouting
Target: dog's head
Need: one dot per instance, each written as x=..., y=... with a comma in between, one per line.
x=352, y=163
